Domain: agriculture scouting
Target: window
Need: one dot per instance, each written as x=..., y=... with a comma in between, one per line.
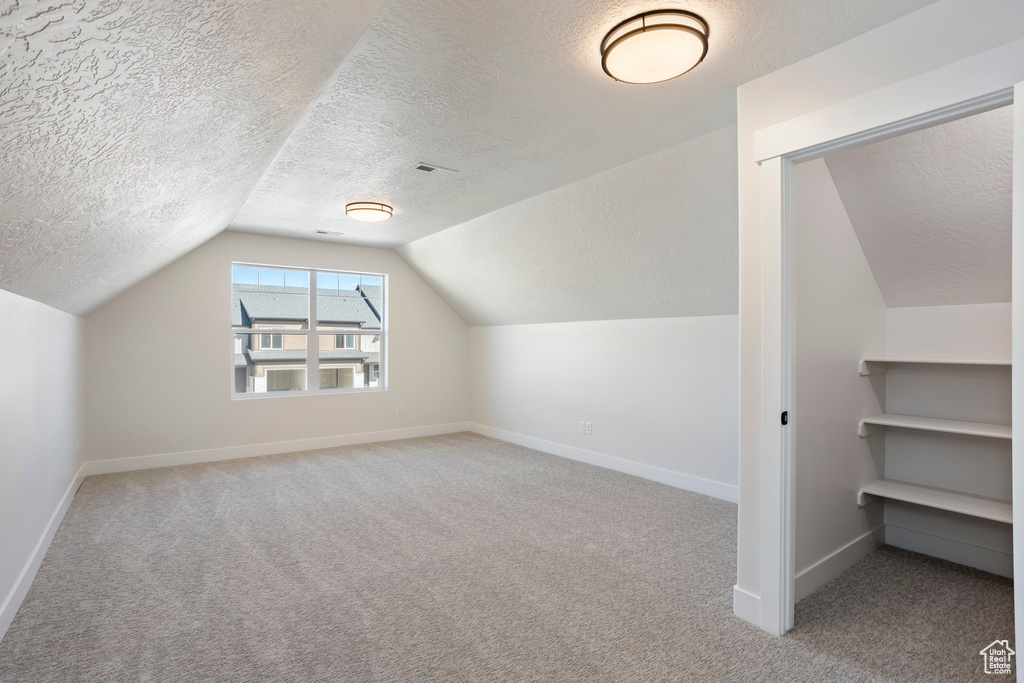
x=291, y=379
x=338, y=378
x=292, y=323
x=271, y=341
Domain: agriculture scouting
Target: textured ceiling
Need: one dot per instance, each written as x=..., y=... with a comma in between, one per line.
x=654, y=238
x=932, y=210
x=132, y=130
x=511, y=94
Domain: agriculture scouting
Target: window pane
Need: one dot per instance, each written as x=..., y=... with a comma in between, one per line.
x=269, y=342
x=348, y=301
x=269, y=303
x=297, y=281
x=327, y=282
x=271, y=279
x=344, y=341
x=347, y=284
x=377, y=306
x=354, y=357
x=341, y=377
x=243, y=364
x=286, y=379
x=345, y=311
x=243, y=275
x=269, y=361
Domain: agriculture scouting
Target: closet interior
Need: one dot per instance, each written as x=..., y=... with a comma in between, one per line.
x=901, y=321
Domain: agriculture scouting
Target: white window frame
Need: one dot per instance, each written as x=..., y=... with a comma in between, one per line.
x=346, y=335
x=313, y=338
x=260, y=345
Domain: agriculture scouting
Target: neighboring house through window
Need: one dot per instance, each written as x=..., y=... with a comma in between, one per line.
x=344, y=348
x=271, y=341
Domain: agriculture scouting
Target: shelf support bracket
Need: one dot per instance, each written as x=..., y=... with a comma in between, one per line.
x=865, y=430
x=865, y=498
x=866, y=368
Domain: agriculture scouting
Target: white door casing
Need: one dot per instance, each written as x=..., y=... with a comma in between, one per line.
x=979, y=83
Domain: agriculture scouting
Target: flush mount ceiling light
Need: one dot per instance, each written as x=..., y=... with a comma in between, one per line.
x=654, y=46
x=371, y=212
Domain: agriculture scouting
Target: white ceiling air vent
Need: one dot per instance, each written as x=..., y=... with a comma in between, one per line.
x=433, y=168
x=330, y=233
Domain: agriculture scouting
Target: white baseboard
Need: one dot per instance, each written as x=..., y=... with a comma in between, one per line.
x=985, y=559
x=17, y=595
x=746, y=606
x=831, y=566
x=715, y=489
x=145, y=462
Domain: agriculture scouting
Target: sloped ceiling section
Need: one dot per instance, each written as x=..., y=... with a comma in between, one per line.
x=932, y=210
x=132, y=130
x=654, y=238
x=512, y=95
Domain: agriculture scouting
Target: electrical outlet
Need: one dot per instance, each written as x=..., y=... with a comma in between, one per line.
x=399, y=411
x=583, y=427
x=590, y=428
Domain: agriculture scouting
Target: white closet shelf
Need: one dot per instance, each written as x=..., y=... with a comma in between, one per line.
x=975, y=506
x=878, y=365
x=930, y=424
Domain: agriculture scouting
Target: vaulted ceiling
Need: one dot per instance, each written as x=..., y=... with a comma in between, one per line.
x=654, y=238
x=133, y=131
x=932, y=210
x=512, y=96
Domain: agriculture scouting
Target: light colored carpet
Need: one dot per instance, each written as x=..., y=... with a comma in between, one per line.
x=455, y=558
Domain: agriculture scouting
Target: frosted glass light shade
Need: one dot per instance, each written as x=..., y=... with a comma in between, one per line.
x=654, y=46
x=371, y=212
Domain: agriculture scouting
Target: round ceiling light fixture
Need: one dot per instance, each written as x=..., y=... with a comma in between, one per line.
x=371, y=212
x=654, y=46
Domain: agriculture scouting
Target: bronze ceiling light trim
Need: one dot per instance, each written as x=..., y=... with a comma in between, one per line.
x=655, y=46
x=370, y=212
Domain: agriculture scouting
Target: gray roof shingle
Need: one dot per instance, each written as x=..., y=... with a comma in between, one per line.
x=374, y=297
x=290, y=303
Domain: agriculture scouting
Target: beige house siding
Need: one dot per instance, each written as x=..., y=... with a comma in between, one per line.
x=294, y=342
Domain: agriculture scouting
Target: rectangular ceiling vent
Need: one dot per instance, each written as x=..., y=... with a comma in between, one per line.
x=328, y=232
x=433, y=168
